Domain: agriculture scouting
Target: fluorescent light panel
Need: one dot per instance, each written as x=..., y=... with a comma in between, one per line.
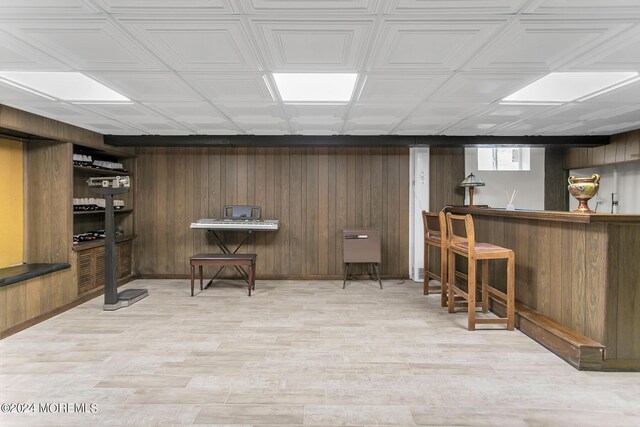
x=67, y=86
x=566, y=87
x=315, y=87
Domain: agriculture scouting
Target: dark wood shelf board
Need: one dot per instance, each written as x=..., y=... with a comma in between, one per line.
x=102, y=211
x=97, y=171
x=96, y=243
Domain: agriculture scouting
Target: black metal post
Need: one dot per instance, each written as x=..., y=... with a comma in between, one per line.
x=110, y=286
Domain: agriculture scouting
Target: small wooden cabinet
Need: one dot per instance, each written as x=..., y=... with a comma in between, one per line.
x=90, y=263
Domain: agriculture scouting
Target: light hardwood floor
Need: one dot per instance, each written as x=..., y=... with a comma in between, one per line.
x=297, y=353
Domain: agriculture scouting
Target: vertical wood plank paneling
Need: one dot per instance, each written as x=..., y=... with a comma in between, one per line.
x=613, y=278
x=598, y=155
x=323, y=214
x=162, y=239
x=311, y=197
x=632, y=152
x=366, y=187
x=296, y=219
x=376, y=186
x=621, y=148
x=314, y=192
x=16, y=303
x=609, y=153
x=566, y=291
x=401, y=241
x=595, y=281
x=181, y=218
x=556, y=264
x=332, y=232
x=543, y=261
x=34, y=298
x=446, y=170
x=578, y=279
x=258, y=193
x=556, y=196
x=3, y=308
x=272, y=204
x=628, y=336
x=48, y=193
x=189, y=205
x=285, y=214
x=341, y=204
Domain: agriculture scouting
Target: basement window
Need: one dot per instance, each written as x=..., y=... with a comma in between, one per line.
x=504, y=159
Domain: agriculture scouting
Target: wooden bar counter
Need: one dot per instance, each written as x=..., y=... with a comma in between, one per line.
x=577, y=281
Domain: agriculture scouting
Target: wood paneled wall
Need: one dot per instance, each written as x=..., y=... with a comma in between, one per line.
x=314, y=192
x=624, y=148
x=46, y=128
x=556, y=196
x=446, y=170
x=48, y=205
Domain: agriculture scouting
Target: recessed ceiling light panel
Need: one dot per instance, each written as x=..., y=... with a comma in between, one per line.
x=67, y=86
x=566, y=87
x=315, y=87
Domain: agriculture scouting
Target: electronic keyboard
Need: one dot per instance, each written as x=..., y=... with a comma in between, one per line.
x=236, y=224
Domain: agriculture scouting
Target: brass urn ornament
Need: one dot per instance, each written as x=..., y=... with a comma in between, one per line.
x=584, y=189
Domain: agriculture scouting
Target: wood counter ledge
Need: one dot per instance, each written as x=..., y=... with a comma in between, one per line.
x=18, y=273
x=558, y=216
x=577, y=281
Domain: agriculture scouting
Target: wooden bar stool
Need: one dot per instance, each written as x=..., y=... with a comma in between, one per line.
x=435, y=234
x=474, y=251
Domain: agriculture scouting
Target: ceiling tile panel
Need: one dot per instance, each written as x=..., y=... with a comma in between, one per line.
x=311, y=113
x=196, y=44
x=396, y=88
x=334, y=128
x=310, y=6
x=384, y=113
x=431, y=45
x=19, y=56
x=544, y=46
x=366, y=129
x=482, y=88
x=84, y=44
x=455, y=6
x=53, y=109
x=166, y=6
x=249, y=116
x=579, y=7
x=432, y=118
x=10, y=8
x=314, y=45
x=148, y=86
x=619, y=54
x=225, y=87
x=189, y=112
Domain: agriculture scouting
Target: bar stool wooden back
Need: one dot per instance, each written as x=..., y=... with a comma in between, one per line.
x=435, y=235
x=466, y=246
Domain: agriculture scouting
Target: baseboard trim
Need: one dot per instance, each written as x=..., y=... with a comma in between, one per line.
x=579, y=351
x=87, y=296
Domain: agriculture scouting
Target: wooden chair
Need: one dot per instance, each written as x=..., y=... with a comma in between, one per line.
x=435, y=234
x=467, y=247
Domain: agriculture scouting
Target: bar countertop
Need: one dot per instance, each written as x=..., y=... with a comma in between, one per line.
x=558, y=216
